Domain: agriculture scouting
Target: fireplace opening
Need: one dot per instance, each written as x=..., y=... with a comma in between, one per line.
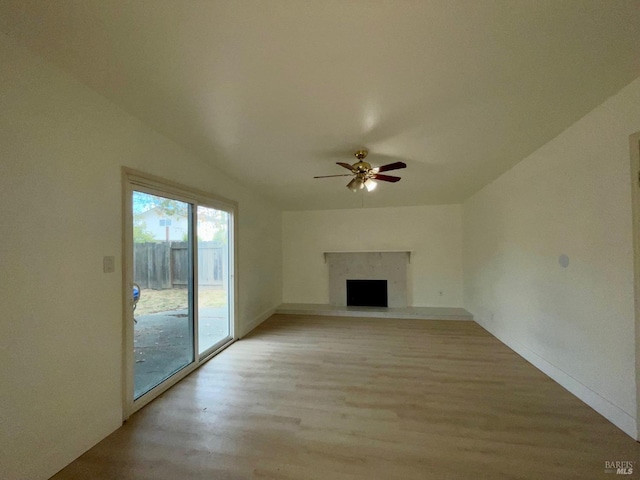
x=367, y=293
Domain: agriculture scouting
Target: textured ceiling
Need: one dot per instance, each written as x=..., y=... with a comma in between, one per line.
x=274, y=92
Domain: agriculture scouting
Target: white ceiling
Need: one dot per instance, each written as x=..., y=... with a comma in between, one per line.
x=274, y=92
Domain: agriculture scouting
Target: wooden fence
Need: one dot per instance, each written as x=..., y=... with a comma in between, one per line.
x=163, y=265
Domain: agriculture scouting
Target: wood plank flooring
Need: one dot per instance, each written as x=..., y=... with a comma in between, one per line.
x=330, y=398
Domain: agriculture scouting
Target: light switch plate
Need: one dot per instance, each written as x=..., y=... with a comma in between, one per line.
x=108, y=264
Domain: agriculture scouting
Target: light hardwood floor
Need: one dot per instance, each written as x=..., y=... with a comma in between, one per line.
x=351, y=398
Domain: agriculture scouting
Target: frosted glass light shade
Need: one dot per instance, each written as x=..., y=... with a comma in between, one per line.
x=355, y=185
x=371, y=185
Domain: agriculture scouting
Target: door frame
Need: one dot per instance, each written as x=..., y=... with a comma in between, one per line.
x=634, y=150
x=135, y=179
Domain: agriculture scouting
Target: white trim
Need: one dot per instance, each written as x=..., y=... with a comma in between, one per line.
x=257, y=321
x=193, y=279
x=127, y=301
x=221, y=346
x=634, y=148
x=160, y=186
x=233, y=268
x=408, y=252
x=216, y=347
x=621, y=419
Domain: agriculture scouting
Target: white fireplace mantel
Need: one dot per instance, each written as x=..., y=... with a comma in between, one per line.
x=408, y=252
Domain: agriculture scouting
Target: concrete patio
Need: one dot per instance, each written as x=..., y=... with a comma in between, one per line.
x=163, y=343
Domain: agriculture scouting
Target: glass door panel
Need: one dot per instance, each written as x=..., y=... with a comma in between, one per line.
x=213, y=278
x=162, y=292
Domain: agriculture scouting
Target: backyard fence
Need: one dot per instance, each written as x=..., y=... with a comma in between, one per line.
x=164, y=265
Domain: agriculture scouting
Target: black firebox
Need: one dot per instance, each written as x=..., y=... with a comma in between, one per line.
x=367, y=293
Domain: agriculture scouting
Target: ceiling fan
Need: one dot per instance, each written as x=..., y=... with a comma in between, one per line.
x=365, y=175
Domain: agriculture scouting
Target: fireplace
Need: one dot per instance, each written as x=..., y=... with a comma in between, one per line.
x=367, y=293
x=390, y=265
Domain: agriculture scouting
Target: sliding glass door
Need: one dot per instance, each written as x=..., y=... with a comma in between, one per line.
x=179, y=256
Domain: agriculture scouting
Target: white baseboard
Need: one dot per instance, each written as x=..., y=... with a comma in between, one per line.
x=257, y=321
x=604, y=407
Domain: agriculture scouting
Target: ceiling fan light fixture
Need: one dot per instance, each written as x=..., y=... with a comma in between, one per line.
x=366, y=176
x=371, y=185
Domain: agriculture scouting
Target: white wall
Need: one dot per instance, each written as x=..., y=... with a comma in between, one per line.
x=570, y=197
x=433, y=233
x=61, y=150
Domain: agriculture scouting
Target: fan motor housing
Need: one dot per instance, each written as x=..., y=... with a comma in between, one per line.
x=361, y=167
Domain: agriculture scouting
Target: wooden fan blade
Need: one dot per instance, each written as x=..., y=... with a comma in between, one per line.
x=345, y=165
x=386, y=178
x=327, y=176
x=391, y=166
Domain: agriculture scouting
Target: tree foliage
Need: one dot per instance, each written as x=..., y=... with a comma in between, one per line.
x=143, y=202
x=212, y=223
x=141, y=234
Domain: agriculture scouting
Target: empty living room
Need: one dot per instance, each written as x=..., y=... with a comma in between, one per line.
x=337, y=239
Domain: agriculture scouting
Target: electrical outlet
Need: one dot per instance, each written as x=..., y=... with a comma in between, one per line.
x=108, y=264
